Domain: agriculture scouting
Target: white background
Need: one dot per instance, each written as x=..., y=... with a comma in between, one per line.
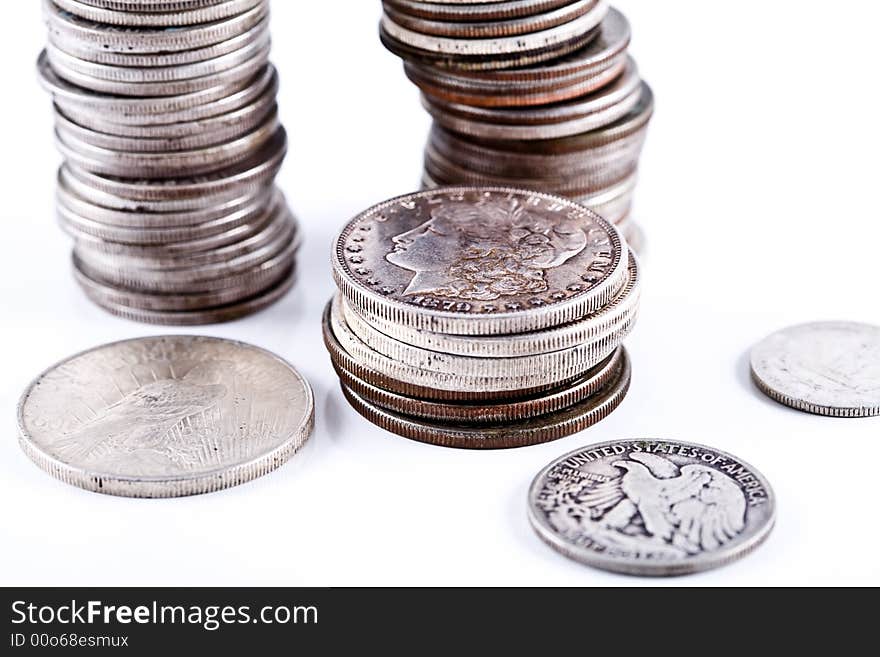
x=758, y=195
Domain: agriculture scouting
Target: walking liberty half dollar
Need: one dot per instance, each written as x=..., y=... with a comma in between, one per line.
x=165, y=416
x=826, y=368
x=651, y=507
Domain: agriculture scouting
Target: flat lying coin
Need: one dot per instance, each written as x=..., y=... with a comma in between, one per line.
x=165, y=416
x=651, y=507
x=826, y=368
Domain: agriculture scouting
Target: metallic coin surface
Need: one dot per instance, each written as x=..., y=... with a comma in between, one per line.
x=483, y=11
x=492, y=29
x=166, y=118
x=825, y=368
x=532, y=431
x=165, y=416
x=651, y=507
x=498, y=45
x=613, y=320
x=479, y=261
x=342, y=359
x=211, y=315
x=499, y=411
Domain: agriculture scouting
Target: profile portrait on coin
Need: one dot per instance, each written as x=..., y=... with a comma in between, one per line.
x=485, y=251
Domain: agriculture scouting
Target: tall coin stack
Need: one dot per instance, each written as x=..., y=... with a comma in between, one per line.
x=482, y=317
x=165, y=114
x=539, y=94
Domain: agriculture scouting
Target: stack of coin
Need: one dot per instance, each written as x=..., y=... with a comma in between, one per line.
x=537, y=94
x=482, y=317
x=167, y=121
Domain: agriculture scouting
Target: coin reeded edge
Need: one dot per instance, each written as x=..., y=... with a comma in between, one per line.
x=399, y=312
x=810, y=407
x=167, y=487
x=666, y=569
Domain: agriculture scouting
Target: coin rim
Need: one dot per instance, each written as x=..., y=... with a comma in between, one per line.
x=647, y=568
x=157, y=486
x=824, y=410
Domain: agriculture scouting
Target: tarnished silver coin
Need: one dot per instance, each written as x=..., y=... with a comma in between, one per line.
x=465, y=46
x=615, y=319
x=166, y=117
x=826, y=368
x=165, y=416
x=496, y=411
x=651, y=507
x=479, y=261
x=568, y=118
x=500, y=435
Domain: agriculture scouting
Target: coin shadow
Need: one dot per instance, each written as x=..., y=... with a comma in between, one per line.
x=333, y=413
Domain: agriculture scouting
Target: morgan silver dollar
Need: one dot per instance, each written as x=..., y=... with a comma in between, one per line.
x=651, y=507
x=479, y=261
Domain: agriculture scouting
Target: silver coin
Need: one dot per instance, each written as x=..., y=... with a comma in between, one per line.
x=475, y=381
x=470, y=47
x=138, y=164
x=141, y=74
x=459, y=10
x=613, y=319
x=574, y=185
x=116, y=231
x=159, y=122
x=497, y=411
x=241, y=307
x=651, y=507
x=162, y=91
x=469, y=29
x=183, y=193
x=147, y=60
x=152, y=18
x=64, y=27
x=196, y=306
x=244, y=271
x=826, y=368
x=579, y=115
x=565, y=363
x=229, y=127
x=165, y=416
x=506, y=435
x=433, y=260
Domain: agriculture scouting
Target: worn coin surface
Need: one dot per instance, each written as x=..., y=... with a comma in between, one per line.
x=826, y=368
x=497, y=411
x=479, y=261
x=504, y=435
x=165, y=416
x=651, y=507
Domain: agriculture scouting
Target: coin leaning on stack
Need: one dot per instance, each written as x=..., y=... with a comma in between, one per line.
x=482, y=317
x=536, y=94
x=165, y=114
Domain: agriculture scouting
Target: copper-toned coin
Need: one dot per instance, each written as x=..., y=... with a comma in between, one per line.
x=513, y=59
x=495, y=28
x=590, y=68
x=499, y=10
x=500, y=436
x=483, y=413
